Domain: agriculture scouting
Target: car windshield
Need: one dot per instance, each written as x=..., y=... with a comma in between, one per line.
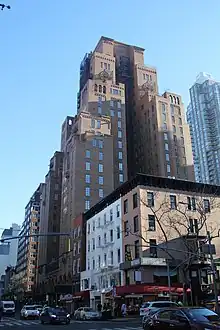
x=87, y=309
x=38, y=306
x=9, y=305
x=145, y=305
x=58, y=309
x=203, y=315
x=30, y=308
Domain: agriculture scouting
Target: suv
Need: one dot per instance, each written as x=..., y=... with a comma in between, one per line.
x=155, y=305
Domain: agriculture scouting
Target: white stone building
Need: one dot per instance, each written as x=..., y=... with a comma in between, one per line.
x=103, y=253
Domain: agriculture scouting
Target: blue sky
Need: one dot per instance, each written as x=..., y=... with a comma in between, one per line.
x=41, y=45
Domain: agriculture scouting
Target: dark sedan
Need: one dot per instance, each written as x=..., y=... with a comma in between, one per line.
x=54, y=316
x=183, y=318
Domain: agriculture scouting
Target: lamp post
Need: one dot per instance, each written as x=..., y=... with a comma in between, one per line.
x=3, y=6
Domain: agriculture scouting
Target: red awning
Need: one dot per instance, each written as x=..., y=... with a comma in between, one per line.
x=146, y=289
x=81, y=294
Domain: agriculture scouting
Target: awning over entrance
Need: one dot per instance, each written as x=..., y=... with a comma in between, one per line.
x=146, y=289
x=81, y=295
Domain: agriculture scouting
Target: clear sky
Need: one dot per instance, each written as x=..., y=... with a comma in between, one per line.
x=41, y=45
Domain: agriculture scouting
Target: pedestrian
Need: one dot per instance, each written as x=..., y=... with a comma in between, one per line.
x=1, y=310
x=123, y=310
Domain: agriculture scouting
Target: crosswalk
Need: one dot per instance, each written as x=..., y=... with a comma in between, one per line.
x=11, y=322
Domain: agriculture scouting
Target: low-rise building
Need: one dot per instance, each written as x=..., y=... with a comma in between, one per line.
x=164, y=225
x=103, y=252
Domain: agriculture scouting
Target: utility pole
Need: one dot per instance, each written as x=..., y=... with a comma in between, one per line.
x=213, y=272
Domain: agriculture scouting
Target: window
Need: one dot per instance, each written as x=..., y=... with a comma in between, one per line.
x=121, y=178
x=173, y=204
x=120, y=144
x=120, y=167
x=119, y=134
x=181, y=130
x=120, y=155
x=118, y=232
x=93, y=244
x=119, y=256
x=93, y=263
x=100, y=144
x=136, y=249
x=87, y=205
x=87, y=179
x=182, y=140
x=99, y=261
x=168, y=168
x=101, y=64
x=105, y=66
x=193, y=203
x=108, y=66
x=104, y=89
x=111, y=258
x=105, y=238
x=164, y=126
x=101, y=180
x=111, y=103
x=166, y=146
x=111, y=235
x=136, y=224
x=88, y=166
x=150, y=199
x=112, y=113
x=105, y=259
x=151, y=222
x=100, y=168
x=119, y=124
x=119, y=114
x=87, y=191
x=88, y=154
x=93, y=123
x=153, y=248
x=164, y=117
x=101, y=193
x=165, y=136
x=206, y=205
x=104, y=219
x=111, y=215
x=135, y=201
x=88, y=264
x=98, y=124
x=88, y=228
x=180, y=121
x=99, y=112
x=126, y=228
x=119, y=105
x=100, y=155
x=167, y=157
x=99, y=223
x=118, y=211
x=99, y=241
x=174, y=129
x=94, y=142
x=88, y=245
x=125, y=206
x=93, y=225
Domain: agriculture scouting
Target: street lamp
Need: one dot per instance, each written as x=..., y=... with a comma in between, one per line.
x=3, y=6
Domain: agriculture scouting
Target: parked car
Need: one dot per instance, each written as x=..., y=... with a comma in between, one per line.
x=55, y=315
x=39, y=308
x=183, y=318
x=155, y=305
x=8, y=307
x=148, y=316
x=86, y=313
x=29, y=312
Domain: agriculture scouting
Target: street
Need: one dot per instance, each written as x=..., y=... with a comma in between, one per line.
x=128, y=324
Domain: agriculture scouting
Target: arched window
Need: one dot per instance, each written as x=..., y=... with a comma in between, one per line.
x=174, y=99
x=171, y=99
x=104, y=89
x=96, y=88
x=178, y=100
x=100, y=89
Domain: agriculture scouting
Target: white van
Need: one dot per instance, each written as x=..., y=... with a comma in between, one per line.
x=8, y=307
